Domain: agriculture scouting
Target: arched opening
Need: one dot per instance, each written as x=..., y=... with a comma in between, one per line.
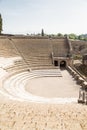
x=63, y=64
x=56, y=63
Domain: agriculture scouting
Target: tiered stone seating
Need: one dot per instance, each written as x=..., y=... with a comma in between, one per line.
x=60, y=47
x=17, y=66
x=20, y=80
x=48, y=73
x=10, y=54
x=6, y=48
x=37, y=52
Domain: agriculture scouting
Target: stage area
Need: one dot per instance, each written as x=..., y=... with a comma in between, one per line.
x=54, y=87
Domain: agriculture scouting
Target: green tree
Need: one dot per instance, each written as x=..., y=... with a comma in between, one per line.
x=42, y=32
x=60, y=34
x=85, y=39
x=73, y=36
x=65, y=35
x=0, y=23
x=80, y=37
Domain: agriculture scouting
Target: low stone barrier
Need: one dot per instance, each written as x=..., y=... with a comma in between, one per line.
x=77, y=77
x=82, y=96
x=82, y=83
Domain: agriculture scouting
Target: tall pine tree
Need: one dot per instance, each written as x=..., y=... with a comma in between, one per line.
x=42, y=32
x=0, y=23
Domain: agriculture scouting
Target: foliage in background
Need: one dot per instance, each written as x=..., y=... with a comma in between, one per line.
x=71, y=36
x=77, y=57
x=42, y=32
x=0, y=23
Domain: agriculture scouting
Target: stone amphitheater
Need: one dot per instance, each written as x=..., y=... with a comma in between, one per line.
x=38, y=90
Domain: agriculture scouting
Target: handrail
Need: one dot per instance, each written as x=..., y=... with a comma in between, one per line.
x=78, y=73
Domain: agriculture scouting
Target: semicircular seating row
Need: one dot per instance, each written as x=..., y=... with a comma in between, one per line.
x=14, y=85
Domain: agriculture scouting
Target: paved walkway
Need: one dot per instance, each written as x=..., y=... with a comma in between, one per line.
x=54, y=87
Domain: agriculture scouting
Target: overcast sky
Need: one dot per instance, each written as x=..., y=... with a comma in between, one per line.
x=54, y=16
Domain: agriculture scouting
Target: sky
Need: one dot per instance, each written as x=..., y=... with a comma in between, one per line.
x=54, y=16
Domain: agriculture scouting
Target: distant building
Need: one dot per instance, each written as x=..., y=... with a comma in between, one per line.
x=84, y=59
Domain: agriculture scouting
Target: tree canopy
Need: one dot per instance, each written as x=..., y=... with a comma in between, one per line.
x=73, y=36
x=0, y=23
x=60, y=34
